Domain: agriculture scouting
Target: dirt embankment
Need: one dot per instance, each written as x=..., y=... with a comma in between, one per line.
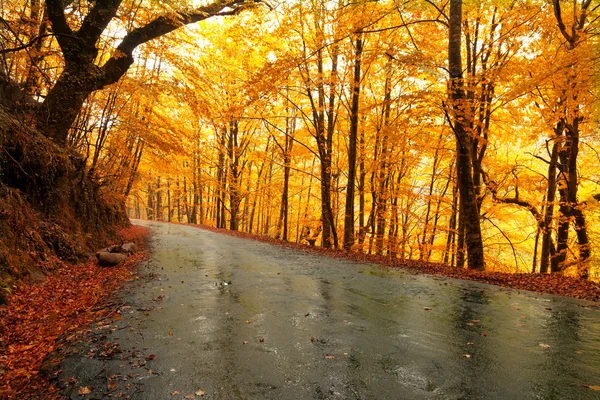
x=50, y=209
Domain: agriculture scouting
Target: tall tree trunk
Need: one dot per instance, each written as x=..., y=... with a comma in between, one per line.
x=456, y=97
x=352, y=143
x=150, y=204
x=282, y=223
x=362, y=231
x=548, y=249
x=234, y=153
x=169, y=199
x=449, y=252
x=158, y=204
x=383, y=179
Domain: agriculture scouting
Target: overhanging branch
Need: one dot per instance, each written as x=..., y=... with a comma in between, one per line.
x=118, y=64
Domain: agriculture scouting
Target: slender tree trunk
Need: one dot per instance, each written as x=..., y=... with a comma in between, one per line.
x=548, y=249
x=169, y=199
x=150, y=204
x=158, y=211
x=362, y=231
x=352, y=143
x=452, y=229
x=468, y=197
x=178, y=200
x=234, y=154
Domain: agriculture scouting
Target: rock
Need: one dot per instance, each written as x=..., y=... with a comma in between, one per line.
x=108, y=259
x=126, y=248
x=129, y=248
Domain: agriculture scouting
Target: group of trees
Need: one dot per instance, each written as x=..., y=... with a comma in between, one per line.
x=461, y=133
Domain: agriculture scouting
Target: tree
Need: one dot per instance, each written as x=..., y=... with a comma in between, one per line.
x=570, y=117
x=352, y=142
x=458, y=118
x=83, y=74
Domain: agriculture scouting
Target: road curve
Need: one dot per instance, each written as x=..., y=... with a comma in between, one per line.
x=233, y=318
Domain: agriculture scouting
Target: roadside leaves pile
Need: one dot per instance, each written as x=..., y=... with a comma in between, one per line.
x=37, y=314
x=541, y=283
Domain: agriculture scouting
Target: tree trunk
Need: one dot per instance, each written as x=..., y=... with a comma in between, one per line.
x=352, y=144
x=548, y=249
x=456, y=96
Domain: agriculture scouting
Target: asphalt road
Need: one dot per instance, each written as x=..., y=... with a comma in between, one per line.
x=221, y=317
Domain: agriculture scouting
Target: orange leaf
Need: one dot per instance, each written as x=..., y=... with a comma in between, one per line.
x=83, y=390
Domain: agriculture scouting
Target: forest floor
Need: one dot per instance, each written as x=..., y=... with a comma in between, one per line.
x=38, y=314
x=540, y=283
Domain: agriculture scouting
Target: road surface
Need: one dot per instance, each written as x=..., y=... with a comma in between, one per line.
x=229, y=318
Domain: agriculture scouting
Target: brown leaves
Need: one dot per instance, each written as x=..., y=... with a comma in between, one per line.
x=37, y=314
x=198, y=393
x=83, y=390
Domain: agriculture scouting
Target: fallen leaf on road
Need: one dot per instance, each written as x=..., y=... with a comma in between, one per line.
x=312, y=338
x=545, y=346
x=245, y=342
x=175, y=392
x=469, y=343
x=466, y=355
x=189, y=396
x=150, y=357
x=329, y=357
x=248, y=321
x=261, y=340
x=199, y=393
x=428, y=308
x=83, y=390
x=307, y=314
x=592, y=387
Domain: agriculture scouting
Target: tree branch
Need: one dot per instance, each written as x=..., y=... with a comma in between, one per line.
x=97, y=20
x=118, y=64
x=57, y=18
x=29, y=44
x=493, y=188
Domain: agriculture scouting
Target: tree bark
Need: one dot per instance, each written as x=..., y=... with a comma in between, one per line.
x=352, y=143
x=456, y=95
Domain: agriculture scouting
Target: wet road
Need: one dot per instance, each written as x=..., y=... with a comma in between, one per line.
x=332, y=329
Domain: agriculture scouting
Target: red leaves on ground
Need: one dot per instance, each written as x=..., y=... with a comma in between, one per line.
x=37, y=314
x=543, y=283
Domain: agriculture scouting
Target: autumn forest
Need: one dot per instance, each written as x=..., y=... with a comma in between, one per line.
x=460, y=132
